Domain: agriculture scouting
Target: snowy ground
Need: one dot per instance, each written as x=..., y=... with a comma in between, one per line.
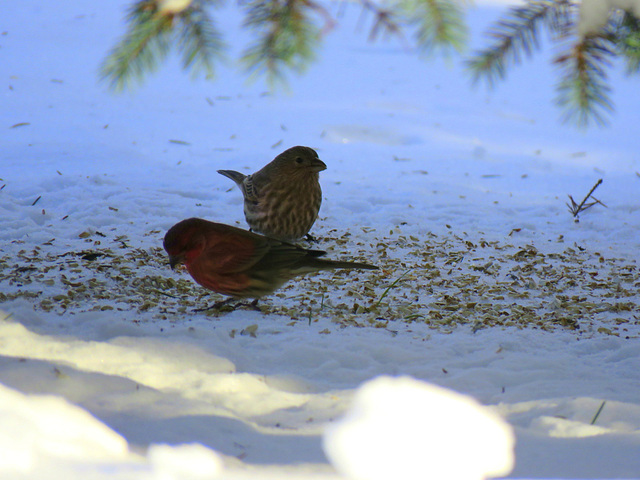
x=458, y=193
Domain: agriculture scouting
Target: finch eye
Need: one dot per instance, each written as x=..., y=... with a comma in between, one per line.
x=299, y=160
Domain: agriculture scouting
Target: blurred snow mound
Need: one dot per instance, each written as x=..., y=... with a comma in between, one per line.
x=40, y=434
x=409, y=429
x=44, y=428
x=189, y=461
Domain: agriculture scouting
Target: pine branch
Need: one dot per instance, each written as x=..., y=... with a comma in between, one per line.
x=628, y=42
x=387, y=22
x=141, y=49
x=440, y=24
x=329, y=21
x=151, y=26
x=200, y=42
x=583, y=90
x=287, y=37
x=517, y=35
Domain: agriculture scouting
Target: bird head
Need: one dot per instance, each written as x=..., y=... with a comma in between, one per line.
x=175, y=260
x=300, y=159
x=184, y=241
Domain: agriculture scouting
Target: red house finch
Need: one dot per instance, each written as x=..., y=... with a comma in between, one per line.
x=239, y=263
x=282, y=199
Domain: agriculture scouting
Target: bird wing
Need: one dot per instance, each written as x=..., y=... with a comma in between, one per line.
x=283, y=255
x=233, y=252
x=250, y=189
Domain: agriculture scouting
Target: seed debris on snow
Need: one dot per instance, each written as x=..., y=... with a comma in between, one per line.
x=442, y=281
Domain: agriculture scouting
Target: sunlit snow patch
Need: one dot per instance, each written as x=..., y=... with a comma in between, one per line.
x=405, y=428
x=41, y=435
x=43, y=429
x=190, y=461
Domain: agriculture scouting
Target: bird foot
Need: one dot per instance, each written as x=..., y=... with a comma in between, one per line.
x=224, y=303
x=216, y=306
x=249, y=305
x=310, y=238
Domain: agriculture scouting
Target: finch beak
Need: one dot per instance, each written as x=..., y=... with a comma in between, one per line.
x=318, y=165
x=175, y=260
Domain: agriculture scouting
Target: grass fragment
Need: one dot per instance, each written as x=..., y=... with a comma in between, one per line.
x=384, y=294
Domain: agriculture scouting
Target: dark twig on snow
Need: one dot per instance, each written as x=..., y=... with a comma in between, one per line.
x=576, y=208
x=593, y=421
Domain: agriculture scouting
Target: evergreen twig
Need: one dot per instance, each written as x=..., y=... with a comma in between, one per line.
x=629, y=42
x=287, y=34
x=150, y=36
x=386, y=21
x=440, y=24
x=583, y=90
x=286, y=37
x=199, y=41
x=517, y=35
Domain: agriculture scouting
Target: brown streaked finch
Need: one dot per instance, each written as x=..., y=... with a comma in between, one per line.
x=239, y=263
x=282, y=199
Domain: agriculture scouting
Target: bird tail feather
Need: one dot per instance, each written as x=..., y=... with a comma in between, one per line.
x=233, y=175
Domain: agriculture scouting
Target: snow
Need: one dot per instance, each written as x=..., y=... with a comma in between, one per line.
x=185, y=461
x=457, y=194
x=401, y=427
x=40, y=431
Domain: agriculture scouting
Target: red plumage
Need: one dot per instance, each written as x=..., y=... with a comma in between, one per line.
x=238, y=263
